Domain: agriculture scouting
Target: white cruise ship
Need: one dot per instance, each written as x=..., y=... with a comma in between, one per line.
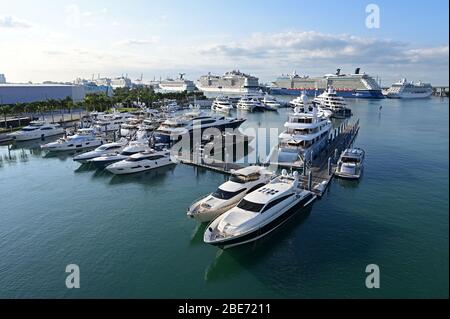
x=409, y=90
x=234, y=82
x=306, y=134
x=177, y=85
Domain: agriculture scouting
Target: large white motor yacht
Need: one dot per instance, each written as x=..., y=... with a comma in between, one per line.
x=306, y=134
x=132, y=148
x=104, y=149
x=222, y=104
x=329, y=100
x=249, y=104
x=84, y=138
x=350, y=164
x=36, y=130
x=259, y=212
x=141, y=162
x=111, y=122
x=227, y=195
x=270, y=103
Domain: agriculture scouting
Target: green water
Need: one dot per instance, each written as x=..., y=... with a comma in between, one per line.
x=131, y=238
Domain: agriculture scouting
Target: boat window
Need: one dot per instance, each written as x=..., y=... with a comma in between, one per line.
x=155, y=157
x=250, y=206
x=275, y=202
x=29, y=129
x=256, y=187
x=46, y=128
x=135, y=159
x=128, y=153
x=221, y=194
x=350, y=160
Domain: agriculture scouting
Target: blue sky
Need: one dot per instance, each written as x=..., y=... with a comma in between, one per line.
x=62, y=40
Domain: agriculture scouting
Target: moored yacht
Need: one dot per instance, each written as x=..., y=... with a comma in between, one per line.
x=222, y=104
x=111, y=122
x=306, y=134
x=109, y=158
x=248, y=104
x=227, y=195
x=36, y=130
x=84, y=138
x=101, y=150
x=259, y=213
x=141, y=162
x=329, y=100
x=350, y=164
x=270, y=103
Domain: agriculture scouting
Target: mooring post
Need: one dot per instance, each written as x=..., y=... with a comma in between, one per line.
x=304, y=167
x=114, y=136
x=329, y=166
x=309, y=180
x=335, y=154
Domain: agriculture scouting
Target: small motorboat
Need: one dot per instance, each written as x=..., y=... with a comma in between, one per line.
x=350, y=163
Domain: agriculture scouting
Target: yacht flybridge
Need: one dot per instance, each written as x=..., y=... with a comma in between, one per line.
x=84, y=138
x=227, y=195
x=259, y=212
x=36, y=130
x=306, y=134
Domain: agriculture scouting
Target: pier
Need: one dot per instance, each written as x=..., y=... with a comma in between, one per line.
x=315, y=175
x=440, y=91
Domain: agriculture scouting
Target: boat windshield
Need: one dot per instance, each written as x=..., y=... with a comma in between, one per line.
x=350, y=160
x=250, y=206
x=221, y=194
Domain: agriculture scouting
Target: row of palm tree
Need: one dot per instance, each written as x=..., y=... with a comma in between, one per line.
x=97, y=102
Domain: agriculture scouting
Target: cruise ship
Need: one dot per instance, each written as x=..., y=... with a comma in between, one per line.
x=356, y=85
x=177, y=85
x=231, y=82
x=409, y=90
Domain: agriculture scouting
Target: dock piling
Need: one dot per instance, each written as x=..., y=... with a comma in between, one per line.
x=309, y=180
x=329, y=166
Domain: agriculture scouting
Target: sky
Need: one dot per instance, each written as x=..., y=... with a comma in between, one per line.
x=61, y=40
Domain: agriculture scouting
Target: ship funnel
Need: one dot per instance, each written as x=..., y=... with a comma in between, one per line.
x=338, y=71
x=357, y=70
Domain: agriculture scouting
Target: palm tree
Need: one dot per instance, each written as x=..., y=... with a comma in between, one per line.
x=6, y=109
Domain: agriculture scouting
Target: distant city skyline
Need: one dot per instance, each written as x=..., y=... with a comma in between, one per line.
x=64, y=40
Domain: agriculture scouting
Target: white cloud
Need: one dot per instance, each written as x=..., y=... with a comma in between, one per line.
x=133, y=42
x=13, y=22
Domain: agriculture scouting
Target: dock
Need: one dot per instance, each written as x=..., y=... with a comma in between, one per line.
x=315, y=175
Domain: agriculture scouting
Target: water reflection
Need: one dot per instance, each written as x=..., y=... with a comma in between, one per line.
x=197, y=234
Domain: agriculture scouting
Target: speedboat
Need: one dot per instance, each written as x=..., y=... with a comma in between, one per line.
x=84, y=138
x=227, y=195
x=141, y=162
x=259, y=212
x=270, y=103
x=132, y=148
x=37, y=129
x=350, y=163
x=222, y=104
x=100, y=151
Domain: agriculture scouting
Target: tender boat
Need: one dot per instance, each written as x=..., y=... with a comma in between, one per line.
x=227, y=195
x=84, y=138
x=222, y=104
x=350, y=164
x=259, y=212
x=36, y=130
x=104, y=149
x=141, y=162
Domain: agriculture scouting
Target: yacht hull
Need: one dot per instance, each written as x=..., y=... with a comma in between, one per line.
x=362, y=94
x=37, y=135
x=258, y=233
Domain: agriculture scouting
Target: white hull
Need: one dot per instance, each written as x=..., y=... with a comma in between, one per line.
x=72, y=146
x=38, y=135
x=121, y=170
x=225, y=90
x=408, y=95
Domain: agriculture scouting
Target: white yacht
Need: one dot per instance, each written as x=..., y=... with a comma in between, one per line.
x=227, y=195
x=101, y=150
x=172, y=106
x=111, y=122
x=270, y=103
x=329, y=100
x=141, y=162
x=350, y=164
x=130, y=126
x=411, y=90
x=132, y=148
x=306, y=134
x=259, y=212
x=222, y=104
x=248, y=104
x=36, y=130
x=84, y=138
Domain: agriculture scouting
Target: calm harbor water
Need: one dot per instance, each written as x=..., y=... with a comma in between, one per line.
x=131, y=238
